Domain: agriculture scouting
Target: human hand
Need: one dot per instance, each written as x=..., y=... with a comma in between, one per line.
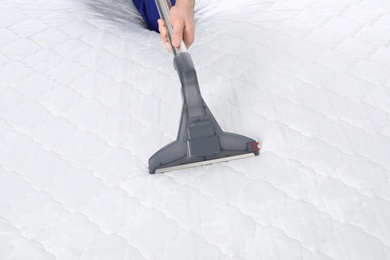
x=181, y=17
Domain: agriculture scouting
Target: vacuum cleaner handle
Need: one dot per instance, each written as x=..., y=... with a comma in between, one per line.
x=163, y=7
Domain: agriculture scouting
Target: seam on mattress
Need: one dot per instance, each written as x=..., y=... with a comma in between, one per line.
x=324, y=89
x=310, y=169
x=341, y=120
x=131, y=154
x=289, y=236
x=106, y=31
x=24, y=237
x=368, y=58
x=101, y=102
x=276, y=94
x=321, y=65
x=302, y=200
x=289, y=159
x=372, y=135
x=105, y=184
x=248, y=214
x=333, y=177
x=51, y=196
x=328, y=144
x=331, y=91
x=167, y=103
x=122, y=189
x=127, y=149
x=323, y=141
x=217, y=204
x=361, y=228
x=92, y=47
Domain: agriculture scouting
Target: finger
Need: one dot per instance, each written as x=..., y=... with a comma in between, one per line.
x=188, y=35
x=160, y=23
x=164, y=38
x=168, y=46
x=163, y=33
x=177, y=36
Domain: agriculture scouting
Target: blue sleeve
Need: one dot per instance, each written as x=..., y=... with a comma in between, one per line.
x=149, y=12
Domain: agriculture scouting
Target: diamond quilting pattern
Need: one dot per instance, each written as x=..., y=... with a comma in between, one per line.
x=87, y=94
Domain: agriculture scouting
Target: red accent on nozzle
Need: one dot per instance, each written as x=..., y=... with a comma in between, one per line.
x=254, y=146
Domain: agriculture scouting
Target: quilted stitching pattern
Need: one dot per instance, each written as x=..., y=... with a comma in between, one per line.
x=87, y=95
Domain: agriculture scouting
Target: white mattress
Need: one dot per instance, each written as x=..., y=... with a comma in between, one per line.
x=87, y=95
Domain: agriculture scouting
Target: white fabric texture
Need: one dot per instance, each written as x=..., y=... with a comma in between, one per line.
x=87, y=95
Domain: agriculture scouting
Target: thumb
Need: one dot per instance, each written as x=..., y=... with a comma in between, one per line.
x=177, y=34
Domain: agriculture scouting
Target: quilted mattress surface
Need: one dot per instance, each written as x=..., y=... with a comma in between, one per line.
x=88, y=94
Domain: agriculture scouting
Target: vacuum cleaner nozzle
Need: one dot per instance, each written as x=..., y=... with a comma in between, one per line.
x=200, y=140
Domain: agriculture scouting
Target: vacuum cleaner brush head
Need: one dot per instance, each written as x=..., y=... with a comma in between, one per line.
x=200, y=140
